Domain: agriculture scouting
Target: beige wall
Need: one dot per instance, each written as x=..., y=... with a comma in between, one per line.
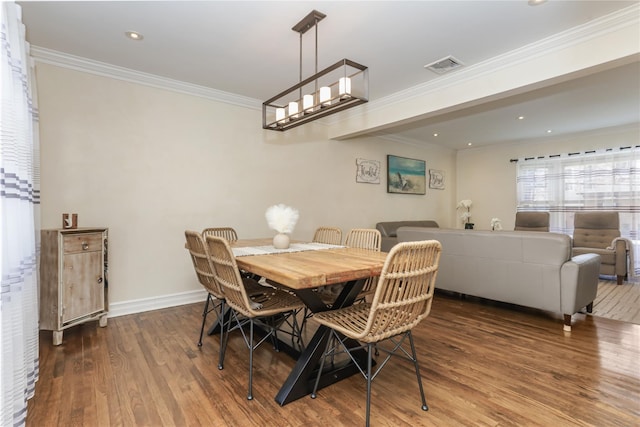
x=487, y=177
x=149, y=163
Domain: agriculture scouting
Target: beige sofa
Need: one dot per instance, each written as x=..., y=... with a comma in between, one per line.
x=526, y=268
x=389, y=229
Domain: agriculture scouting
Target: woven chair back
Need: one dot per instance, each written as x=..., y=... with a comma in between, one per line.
x=202, y=263
x=364, y=238
x=405, y=290
x=224, y=232
x=227, y=274
x=328, y=235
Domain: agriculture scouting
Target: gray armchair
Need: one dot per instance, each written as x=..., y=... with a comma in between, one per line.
x=532, y=221
x=595, y=232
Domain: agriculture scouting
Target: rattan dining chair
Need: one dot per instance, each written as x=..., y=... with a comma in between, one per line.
x=228, y=233
x=225, y=232
x=271, y=310
x=215, y=296
x=328, y=235
x=402, y=299
x=331, y=236
x=365, y=238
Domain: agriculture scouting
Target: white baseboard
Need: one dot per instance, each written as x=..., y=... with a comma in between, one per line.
x=155, y=303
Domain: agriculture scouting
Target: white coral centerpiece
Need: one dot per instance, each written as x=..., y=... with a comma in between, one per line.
x=282, y=219
x=496, y=224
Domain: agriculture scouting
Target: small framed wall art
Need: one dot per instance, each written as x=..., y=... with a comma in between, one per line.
x=406, y=176
x=69, y=220
x=436, y=179
x=368, y=171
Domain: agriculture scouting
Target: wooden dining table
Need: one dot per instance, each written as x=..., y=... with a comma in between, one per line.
x=302, y=272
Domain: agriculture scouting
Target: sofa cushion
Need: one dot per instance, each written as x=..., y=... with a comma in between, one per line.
x=595, y=229
x=606, y=256
x=532, y=221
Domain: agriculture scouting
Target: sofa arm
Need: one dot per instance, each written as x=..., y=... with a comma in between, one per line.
x=386, y=229
x=621, y=258
x=387, y=243
x=578, y=284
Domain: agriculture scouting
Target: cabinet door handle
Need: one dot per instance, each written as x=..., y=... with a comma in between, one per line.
x=85, y=246
x=99, y=279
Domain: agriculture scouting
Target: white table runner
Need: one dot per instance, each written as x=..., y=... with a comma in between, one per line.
x=294, y=247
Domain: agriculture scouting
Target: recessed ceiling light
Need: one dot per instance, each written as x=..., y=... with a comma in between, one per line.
x=469, y=144
x=435, y=134
x=536, y=2
x=520, y=117
x=549, y=131
x=133, y=35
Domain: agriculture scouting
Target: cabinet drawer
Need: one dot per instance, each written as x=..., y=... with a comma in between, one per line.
x=82, y=242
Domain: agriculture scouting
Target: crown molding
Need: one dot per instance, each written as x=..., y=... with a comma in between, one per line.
x=612, y=22
x=623, y=18
x=64, y=60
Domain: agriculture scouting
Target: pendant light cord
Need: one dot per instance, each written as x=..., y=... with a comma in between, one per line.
x=316, y=57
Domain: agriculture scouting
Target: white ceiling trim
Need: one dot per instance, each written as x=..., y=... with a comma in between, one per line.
x=77, y=63
x=448, y=93
x=624, y=18
x=613, y=22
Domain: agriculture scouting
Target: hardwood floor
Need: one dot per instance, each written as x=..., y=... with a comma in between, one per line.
x=482, y=364
x=618, y=302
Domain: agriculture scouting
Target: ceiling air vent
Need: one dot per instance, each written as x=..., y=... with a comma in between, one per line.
x=444, y=65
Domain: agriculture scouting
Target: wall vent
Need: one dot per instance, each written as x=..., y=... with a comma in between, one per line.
x=444, y=65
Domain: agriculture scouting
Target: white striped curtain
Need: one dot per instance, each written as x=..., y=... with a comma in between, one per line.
x=19, y=225
x=600, y=180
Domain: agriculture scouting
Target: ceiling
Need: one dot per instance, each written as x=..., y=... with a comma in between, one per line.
x=248, y=49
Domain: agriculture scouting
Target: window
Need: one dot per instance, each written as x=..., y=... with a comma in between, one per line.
x=605, y=180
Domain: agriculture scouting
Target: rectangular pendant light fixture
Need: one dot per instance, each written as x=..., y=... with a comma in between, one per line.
x=342, y=85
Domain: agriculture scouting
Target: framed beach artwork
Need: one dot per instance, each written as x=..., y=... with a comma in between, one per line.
x=406, y=176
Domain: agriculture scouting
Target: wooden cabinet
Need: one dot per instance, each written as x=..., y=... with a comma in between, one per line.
x=73, y=277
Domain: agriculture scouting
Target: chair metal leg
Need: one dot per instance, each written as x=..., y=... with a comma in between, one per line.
x=294, y=330
x=415, y=363
x=250, y=395
x=223, y=346
x=204, y=318
x=301, y=328
x=224, y=338
x=369, y=357
x=322, y=359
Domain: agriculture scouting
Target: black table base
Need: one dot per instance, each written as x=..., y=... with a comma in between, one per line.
x=302, y=378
